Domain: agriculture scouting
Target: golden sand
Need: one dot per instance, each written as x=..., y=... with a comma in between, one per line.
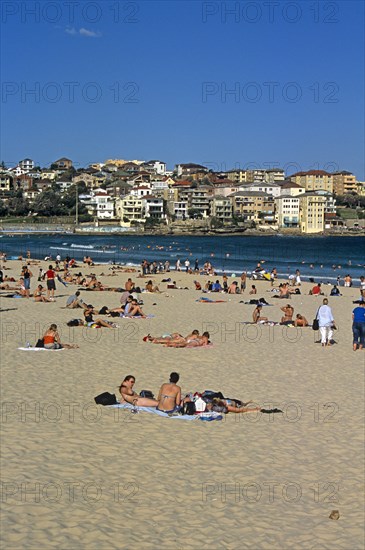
x=75, y=475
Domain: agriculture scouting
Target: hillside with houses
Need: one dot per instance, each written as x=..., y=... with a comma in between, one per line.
x=145, y=195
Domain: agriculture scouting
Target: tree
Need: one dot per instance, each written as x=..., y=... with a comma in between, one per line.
x=69, y=199
x=3, y=208
x=48, y=204
x=194, y=213
x=17, y=205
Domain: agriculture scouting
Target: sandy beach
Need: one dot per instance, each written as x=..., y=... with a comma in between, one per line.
x=77, y=475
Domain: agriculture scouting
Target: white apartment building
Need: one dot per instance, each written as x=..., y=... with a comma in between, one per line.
x=287, y=210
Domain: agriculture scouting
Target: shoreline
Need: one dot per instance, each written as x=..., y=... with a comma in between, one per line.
x=208, y=233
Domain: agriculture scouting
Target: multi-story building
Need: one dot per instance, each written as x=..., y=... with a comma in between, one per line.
x=221, y=208
x=26, y=165
x=49, y=175
x=268, y=188
x=154, y=208
x=200, y=199
x=273, y=175
x=6, y=182
x=314, y=180
x=254, y=206
x=287, y=210
x=100, y=204
x=63, y=163
x=178, y=209
x=189, y=169
x=291, y=188
x=311, y=212
x=344, y=182
x=238, y=175
x=131, y=208
x=155, y=166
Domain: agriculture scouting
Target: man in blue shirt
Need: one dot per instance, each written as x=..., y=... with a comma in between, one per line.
x=358, y=326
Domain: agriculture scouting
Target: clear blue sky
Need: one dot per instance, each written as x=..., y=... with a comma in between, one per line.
x=149, y=80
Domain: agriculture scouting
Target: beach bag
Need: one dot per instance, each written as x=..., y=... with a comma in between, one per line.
x=40, y=343
x=147, y=393
x=189, y=408
x=315, y=324
x=106, y=398
x=200, y=405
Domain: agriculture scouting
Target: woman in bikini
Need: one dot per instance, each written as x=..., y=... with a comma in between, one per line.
x=169, y=396
x=90, y=321
x=38, y=295
x=128, y=395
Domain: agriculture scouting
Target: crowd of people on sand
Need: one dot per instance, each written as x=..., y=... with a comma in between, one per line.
x=170, y=400
x=130, y=303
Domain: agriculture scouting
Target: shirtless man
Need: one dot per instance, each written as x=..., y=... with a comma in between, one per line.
x=169, y=396
x=300, y=321
x=129, y=285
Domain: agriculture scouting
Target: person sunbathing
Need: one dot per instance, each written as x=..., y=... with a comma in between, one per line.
x=151, y=288
x=169, y=396
x=128, y=395
x=199, y=341
x=38, y=295
x=90, y=321
x=288, y=314
x=173, y=337
x=230, y=405
x=134, y=310
x=51, y=339
x=300, y=321
x=256, y=315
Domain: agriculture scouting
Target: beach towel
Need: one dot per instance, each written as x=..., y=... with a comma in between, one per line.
x=40, y=349
x=204, y=300
x=150, y=316
x=209, y=416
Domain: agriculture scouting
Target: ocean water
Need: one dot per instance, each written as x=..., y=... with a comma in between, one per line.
x=323, y=258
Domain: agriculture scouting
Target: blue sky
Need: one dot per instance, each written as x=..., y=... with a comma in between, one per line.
x=219, y=83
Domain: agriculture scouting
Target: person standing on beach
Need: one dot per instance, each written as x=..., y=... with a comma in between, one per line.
x=51, y=285
x=178, y=265
x=358, y=326
x=326, y=323
x=187, y=265
x=243, y=281
x=27, y=274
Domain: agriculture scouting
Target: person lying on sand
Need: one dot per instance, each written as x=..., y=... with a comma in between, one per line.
x=300, y=321
x=198, y=341
x=173, y=337
x=90, y=321
x=128, y=395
